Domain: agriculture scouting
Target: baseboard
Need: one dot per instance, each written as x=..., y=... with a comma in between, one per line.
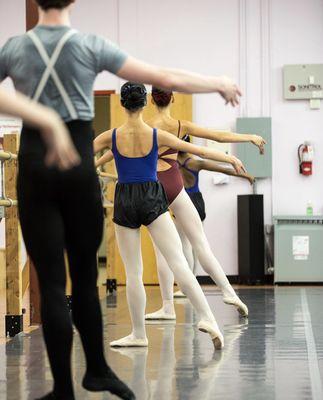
x=237, y=279
x=207, y=280
x=299, y=283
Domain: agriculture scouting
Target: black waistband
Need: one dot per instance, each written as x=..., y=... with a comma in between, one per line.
x=82, y=134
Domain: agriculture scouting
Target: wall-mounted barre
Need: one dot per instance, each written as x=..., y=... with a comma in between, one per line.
x=107, y=177
x=8, y=203
x=6, y=155
x=108, y=205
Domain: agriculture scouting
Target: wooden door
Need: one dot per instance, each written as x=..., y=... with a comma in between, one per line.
x=182, y=109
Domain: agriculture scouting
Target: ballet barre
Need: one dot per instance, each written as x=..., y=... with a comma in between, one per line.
x=8, y=202
x=108, y=204
x=7, y=155
x=107, y=177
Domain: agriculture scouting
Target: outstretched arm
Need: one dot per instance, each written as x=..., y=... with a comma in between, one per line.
x=179, y=80
x=169, y=140
x=208, y=165
x=223, y=136
x=60, y=149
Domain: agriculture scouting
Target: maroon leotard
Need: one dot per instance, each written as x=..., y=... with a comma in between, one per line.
x=171, y=179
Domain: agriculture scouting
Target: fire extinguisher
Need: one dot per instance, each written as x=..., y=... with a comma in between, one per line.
x=306, y=157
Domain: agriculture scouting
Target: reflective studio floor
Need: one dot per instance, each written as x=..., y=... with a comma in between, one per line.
x=276, y=354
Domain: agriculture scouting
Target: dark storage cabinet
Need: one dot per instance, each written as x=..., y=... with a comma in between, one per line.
x=251, y=240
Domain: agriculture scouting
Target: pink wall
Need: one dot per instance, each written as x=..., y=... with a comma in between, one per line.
x=249, y=40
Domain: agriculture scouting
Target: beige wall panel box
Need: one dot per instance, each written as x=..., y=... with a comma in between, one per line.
x=303, y=82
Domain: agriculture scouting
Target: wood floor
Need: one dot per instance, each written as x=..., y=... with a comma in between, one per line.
x=276, y=354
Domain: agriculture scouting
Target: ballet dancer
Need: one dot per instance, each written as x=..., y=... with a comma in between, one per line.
x=141, y=200
x=181, y=205
x=190, y=169
x=57, y=65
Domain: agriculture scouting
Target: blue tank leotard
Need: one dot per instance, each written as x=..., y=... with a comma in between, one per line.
x=195, y=188
x=136, y=169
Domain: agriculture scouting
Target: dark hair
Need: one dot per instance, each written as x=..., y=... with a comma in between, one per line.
x=187, y=139
x=48, y=4
x=133, y=96
x=161, y=97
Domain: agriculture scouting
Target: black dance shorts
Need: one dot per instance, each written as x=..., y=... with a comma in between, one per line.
x=198, y=201
x=137, y=204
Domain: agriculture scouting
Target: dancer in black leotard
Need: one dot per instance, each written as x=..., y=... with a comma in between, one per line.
x=190, y=168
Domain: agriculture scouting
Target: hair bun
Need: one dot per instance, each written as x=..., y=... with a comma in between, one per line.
x=162, y=98
x=133, y=96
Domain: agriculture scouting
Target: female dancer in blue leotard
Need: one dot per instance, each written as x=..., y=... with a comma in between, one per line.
x=140, y=199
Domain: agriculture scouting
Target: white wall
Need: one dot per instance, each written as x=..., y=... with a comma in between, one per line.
x=13, y=23
x=297, y=34
x=249, y=40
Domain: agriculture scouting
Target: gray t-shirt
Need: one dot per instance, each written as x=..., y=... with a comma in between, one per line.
x=83, y=57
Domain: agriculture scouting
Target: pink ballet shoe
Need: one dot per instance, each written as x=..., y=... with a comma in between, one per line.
x=213, y=330
x=240, y=306
x=129, y=341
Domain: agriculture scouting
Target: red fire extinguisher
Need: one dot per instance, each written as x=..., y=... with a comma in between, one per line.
x=306, y=157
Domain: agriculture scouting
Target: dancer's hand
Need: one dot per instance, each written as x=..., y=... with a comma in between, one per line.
x=259, y=142
x=250, y=178
x=60, y=148
x=237, y=165
x=229, y=91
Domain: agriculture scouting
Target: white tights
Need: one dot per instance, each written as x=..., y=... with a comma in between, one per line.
x=191, y=230
x=166, y=237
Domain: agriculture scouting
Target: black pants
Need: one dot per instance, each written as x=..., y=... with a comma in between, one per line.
x=62, y=211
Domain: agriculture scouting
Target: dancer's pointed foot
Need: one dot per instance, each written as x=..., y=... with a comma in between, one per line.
x=240, y=306
x=129, y=341
x=161, y=315
x=179, y=295
x=211, y=327
x=109, y=383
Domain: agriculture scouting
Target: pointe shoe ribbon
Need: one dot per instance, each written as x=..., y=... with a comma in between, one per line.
x=212, y=329
x=160, y=315
x=129, y=341
x=235, y=301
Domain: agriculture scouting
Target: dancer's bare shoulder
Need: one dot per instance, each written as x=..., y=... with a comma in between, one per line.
x=170, y=125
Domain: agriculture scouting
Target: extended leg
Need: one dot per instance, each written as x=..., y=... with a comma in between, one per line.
x=188, y=218
x=167, y=239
